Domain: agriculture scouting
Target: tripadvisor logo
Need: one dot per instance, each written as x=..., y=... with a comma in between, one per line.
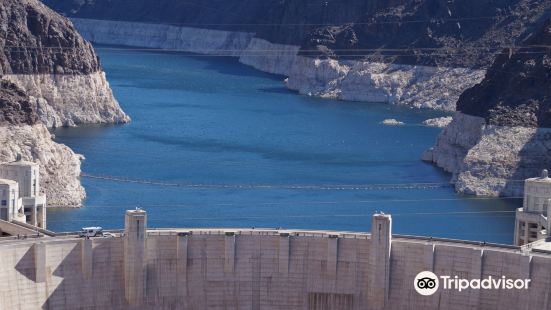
x=427, y=283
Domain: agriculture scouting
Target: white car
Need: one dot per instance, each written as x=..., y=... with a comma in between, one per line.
x=91, y=232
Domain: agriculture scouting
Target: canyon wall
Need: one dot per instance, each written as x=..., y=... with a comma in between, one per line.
x=412, y=85
x=48, y=68
x=45, y=56
x=167, y=37
x=22, y=133
x=59, y=165
x=418, y=53
x=71, y=100
x=352, y=80
x=490, y=160
x=261, y=269
x=502, y=134
x=423, y=54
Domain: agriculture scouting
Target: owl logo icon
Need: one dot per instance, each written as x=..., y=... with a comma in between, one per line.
x=426, y=283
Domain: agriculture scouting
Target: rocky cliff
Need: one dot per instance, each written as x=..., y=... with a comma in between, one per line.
x=502, y=133
x=22, y=133
x=45, y=56
x=517, y=89
x=15, y=106
x=421, y=53
x=49, y=77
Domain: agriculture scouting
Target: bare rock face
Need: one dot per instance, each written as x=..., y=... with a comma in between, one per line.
x=45, y=56
x=517, y=88
x=506, y=136
x=59, y=165
x=455, y=141
x=49, y=76
x=490, y=160
x=22, y=133
x=71, y=100
x=355, y=80
x=439, y=122
x=15, y=107
x=392, y=122
x=38, y=40
x=351, y=29
x=421, y=53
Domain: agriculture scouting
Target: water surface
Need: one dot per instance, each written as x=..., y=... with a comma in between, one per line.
x=234, y=148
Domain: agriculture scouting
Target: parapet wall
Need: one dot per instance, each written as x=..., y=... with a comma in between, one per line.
x=259, y=269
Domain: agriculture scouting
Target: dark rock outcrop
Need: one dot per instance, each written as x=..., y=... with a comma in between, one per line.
x=35, y=39
x=502, y=134
x=44, y=55
x=15, y=106
x=517, y=88
x=465, y=33
x=420, y=53
x=22, y=134
x=49, y=76
x=433, y=32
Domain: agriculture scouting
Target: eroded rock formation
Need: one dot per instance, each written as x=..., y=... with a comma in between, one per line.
x=49, y=77
x=22, y=133
x=45, y=56
x=418, y=53
x=502, y=135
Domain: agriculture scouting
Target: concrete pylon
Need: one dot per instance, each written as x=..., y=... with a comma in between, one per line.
x=135, y=235
x=379, y=261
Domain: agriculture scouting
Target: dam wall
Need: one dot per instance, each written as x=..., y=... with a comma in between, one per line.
x=260, y=269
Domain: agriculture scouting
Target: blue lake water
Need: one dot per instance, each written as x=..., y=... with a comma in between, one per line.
x=240, y=150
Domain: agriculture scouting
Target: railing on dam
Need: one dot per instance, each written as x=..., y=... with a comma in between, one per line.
x=321, y=234
x=458, y=241
x=259, y=232
x=301, y=233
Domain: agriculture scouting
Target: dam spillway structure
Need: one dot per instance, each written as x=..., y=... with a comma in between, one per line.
x=182, y=268
x=533, y=219
x=21, y=199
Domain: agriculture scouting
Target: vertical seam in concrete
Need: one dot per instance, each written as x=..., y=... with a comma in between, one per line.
x=429, y=257
x=86, y=252
x=283, y=253
x=182, y=254
x=40, y=262
x=477, y=263
x=332, y=255
x=526, y=265
x=229, y=253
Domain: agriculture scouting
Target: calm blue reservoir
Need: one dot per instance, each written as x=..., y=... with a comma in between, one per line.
x=233, y=147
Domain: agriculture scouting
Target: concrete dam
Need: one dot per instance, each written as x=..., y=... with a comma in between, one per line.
x=262, y=269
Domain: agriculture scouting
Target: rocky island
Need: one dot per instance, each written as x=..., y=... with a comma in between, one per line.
x=50, y=77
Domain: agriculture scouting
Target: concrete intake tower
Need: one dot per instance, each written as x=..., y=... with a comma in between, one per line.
x=262, y=269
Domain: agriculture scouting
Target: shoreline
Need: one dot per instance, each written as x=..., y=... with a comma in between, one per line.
x=416, y=86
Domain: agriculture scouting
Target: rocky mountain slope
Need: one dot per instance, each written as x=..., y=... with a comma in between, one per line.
x=502, y=134
x=517, y=89
x=422, y=53
x=22, y=133
x=45, y=56
x=49, y=77
x=15, y=106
